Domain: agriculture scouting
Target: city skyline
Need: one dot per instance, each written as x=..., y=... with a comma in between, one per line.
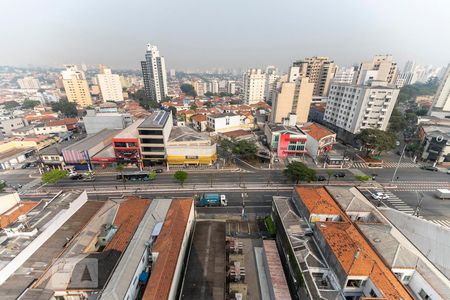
x=72, y=34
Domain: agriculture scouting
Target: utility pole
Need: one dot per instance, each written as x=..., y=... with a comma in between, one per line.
x=398, y=164
x=243, y=195
x=419, y=204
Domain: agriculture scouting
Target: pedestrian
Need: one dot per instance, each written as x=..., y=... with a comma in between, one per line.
x=398, y=178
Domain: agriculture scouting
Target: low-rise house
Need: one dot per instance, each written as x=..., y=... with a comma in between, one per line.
x=223, y=122
x=23, y=131
x=435, y=140
x=199, y=122
x=188, y=147
x=320, y=140
x=285, y=141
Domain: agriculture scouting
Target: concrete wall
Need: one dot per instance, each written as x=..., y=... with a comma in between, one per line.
x=8, y=201
x=50, y=228
x=418, y=283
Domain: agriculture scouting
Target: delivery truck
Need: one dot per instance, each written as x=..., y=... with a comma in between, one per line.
x=443, y=194
x=212, y=199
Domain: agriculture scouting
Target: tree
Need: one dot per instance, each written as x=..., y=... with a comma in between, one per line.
x=69, y=109
x=2, y=185
x=181, y=177
x=375, y=140
x=329, y=173
x=27, y=103
x=244, y=149
x=173, y=109
x=11, y=104
x=152, y=175
x=144, y=100
x=193, y=107
x=120, y=168
x=397, y=122
x=209, y=104
x=188, y=90
x=53, y=176
x=298, y=171
x=362, y=178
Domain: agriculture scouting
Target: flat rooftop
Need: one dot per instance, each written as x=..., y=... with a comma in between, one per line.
x=92, y=140
x=37, y=264
x=205, y=272
x=186, y=134
x=157, y=119
x=6, y=155
x=131, y=131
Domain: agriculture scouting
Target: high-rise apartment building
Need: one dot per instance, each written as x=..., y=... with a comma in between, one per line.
x=320, y=71
x=271, y=82
x=76, y=86
x=231, y=87
x=154, y=73
x=442, y=98
x=354, y=107
x=110, y=85
x=293, y=98
x=213, y=86
x=344, y=75
x=380, y=68
x=29, y=83
x=199, y=87
x=254, y=85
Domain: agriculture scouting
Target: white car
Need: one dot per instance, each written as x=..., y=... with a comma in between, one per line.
x=379, y=196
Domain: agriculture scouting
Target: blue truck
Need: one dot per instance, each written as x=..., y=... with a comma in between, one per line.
x=212, y=199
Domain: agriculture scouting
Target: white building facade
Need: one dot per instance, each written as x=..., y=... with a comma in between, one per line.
x=154, y=73
x=442, y=98
x=356, y=107
x=110, y=85
x=254, y=86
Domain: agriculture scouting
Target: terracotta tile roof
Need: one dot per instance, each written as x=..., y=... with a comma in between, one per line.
x=357, y=258
x=318, y=201
x=127, y=219
x=66, y=121
x=15, y=212
x=316, y=131
x=199, y=118
x=168, y=245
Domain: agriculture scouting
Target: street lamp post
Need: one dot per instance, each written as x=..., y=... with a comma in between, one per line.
x=398, y=164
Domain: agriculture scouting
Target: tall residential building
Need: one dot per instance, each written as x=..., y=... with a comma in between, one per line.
x=293, y=98
x=154, y=73
x=380, y=68
x=344, y=75
x=213, y=86
x=231, y=87
x=354, y=107
x=409, y=67
x=442, y=98
x=76, y=86
x=199, y=87
x=110, y=85
x=271, y=82
x=29, y=83
x=320, y=70
x=254, y=84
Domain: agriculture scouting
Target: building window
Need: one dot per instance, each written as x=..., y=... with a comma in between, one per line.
x=424, y=295
x=373, y=294
x=354, y=283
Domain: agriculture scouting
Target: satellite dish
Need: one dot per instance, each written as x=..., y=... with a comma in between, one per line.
x=439, y=139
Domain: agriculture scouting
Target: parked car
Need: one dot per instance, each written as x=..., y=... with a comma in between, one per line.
x=429, y=168
x=76, y=177
x=25, y=165
x=321, y=178
x=379, y=196
x=339, y=174
x=159, y=170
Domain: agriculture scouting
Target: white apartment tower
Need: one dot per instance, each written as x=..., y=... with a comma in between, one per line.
x=354, y=107
x=442, y=98
x=154, y=73
x=344, y=75
x=254, y=85
x=380, y=68
x=231, y=87
x=199, y=87
x=110, y=85
x=28, y=83
x=213, y=87
x=271, y=82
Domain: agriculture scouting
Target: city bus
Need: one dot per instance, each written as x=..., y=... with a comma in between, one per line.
x=134, y=176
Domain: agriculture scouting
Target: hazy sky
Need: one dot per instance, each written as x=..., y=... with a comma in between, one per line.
x=202, y=34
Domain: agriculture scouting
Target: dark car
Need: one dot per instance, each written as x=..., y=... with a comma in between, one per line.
x=158, y=170
x=339, y=174
x=26, y=165
x=76, y=177
x=429, y=168
x=321, y=178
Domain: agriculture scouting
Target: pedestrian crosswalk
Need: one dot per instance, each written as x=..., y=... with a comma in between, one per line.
x=387, y=164
x=442, y=222
x=394, y=201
